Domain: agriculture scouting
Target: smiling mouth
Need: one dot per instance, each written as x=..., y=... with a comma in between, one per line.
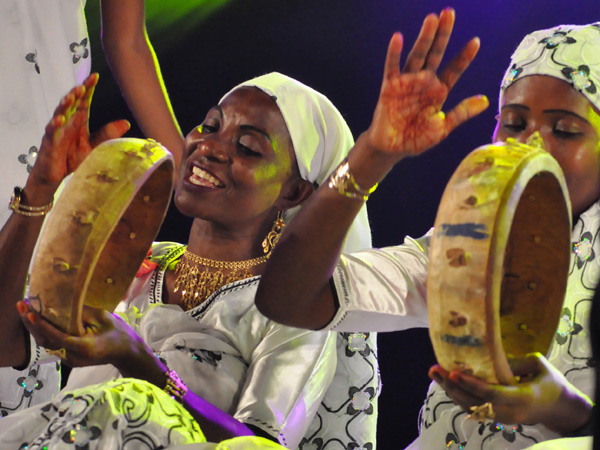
x=201, y=177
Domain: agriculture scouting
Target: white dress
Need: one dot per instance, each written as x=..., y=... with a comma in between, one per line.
x=385, y=290
x=45, y=52
x=272, y=376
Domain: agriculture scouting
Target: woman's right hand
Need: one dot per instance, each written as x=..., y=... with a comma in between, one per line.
x=67, y=141
x=108, y=340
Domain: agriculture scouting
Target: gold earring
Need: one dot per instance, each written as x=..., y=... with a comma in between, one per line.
x=273, y=237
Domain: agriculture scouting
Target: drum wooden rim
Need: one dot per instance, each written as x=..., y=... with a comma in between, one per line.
x=490, y=260
x=100, y=230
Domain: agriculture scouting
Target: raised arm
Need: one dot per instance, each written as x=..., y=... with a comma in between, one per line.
x=408, y=119
x=135, y=67
x=65, y=144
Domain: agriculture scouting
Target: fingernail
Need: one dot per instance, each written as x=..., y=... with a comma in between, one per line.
x=455, y=376
x=31, y=317
x=21, y=307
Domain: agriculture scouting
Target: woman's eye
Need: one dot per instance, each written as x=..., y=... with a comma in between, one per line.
x=514, y=127
x=208, y=128
x=566, y=134
x=248, y=151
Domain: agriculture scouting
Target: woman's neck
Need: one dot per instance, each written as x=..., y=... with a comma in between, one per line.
x=213, y=242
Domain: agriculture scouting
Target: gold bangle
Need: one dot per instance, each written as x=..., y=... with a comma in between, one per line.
x=175, y=387
x=26, y=210
x=343, y=181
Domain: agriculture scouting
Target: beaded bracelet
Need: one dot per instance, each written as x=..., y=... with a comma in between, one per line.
x=343, y=181
x=25, y=210
x=175, y=387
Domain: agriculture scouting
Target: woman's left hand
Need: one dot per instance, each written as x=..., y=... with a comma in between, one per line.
x=543, y=395
x=108, y=339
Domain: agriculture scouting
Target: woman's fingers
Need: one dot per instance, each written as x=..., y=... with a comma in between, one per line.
x=454, y=70
x=477, y=388
x=440, y=42
x=418, y=54
x=90, y=86
x=465, y=110
x=392, y=60
x=528, y=366
x=44, y=332
x=112, y=130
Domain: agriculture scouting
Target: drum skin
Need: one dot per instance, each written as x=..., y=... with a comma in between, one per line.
x=499, y=260
x=100, y=230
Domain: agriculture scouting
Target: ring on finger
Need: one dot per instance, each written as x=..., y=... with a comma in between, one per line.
x=481, y=413
x=61, y=353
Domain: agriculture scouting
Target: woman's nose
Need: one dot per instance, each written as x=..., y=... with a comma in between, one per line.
x=212, y=150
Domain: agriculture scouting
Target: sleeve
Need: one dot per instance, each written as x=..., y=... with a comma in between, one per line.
x=288, y=376
x=383, y=289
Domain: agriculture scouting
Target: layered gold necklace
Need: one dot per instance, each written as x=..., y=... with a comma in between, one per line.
x=199, y=277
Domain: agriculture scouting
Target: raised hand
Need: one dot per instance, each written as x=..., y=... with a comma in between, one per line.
x=543, y=395
x=408, y=118
x=67, y=141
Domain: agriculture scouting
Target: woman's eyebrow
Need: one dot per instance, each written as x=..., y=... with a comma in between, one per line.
x=517, y=106
x=566, y=112
x=219, y=110
x=258, y=130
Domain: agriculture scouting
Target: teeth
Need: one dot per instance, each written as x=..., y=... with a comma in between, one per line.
x=199, y=174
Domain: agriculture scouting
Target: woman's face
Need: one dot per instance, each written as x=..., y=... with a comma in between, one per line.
x=238, y=163
x=568, y=124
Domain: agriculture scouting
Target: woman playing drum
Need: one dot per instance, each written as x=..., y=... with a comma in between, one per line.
x=551, y=87
x=190, y=315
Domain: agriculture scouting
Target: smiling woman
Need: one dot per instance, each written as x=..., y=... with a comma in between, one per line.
x=188, y=323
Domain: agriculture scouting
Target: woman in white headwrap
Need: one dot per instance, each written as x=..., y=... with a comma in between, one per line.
x=552, y=87
x=189, y=318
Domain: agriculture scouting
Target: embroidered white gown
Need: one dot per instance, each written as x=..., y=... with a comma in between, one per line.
x=45, y=52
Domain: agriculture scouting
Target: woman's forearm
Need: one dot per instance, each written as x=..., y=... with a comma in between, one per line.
x=311, y=246
x=216, y=424
x=136, y=69
x=17, y=242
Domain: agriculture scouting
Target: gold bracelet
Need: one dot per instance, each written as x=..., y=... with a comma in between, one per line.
x=343, y=181
x=175, y=387
x=26, y=210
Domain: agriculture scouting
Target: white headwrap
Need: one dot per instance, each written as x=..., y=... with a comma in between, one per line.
x=568, y=52
x=320, y=136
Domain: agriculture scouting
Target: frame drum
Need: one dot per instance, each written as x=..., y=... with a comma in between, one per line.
x=100, y=230
x=499, y=260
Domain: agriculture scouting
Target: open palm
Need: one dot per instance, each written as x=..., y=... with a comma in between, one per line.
x=408, y=118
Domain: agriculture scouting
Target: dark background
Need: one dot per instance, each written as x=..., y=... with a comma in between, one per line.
x=338, y=47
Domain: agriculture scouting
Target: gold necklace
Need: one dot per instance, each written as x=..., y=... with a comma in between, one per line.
x=196, y=280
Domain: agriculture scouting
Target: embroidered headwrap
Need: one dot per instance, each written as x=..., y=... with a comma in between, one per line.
x=568, y=52
x=321, y=139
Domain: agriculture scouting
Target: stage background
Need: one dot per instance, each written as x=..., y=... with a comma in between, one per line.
x=338, y=47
